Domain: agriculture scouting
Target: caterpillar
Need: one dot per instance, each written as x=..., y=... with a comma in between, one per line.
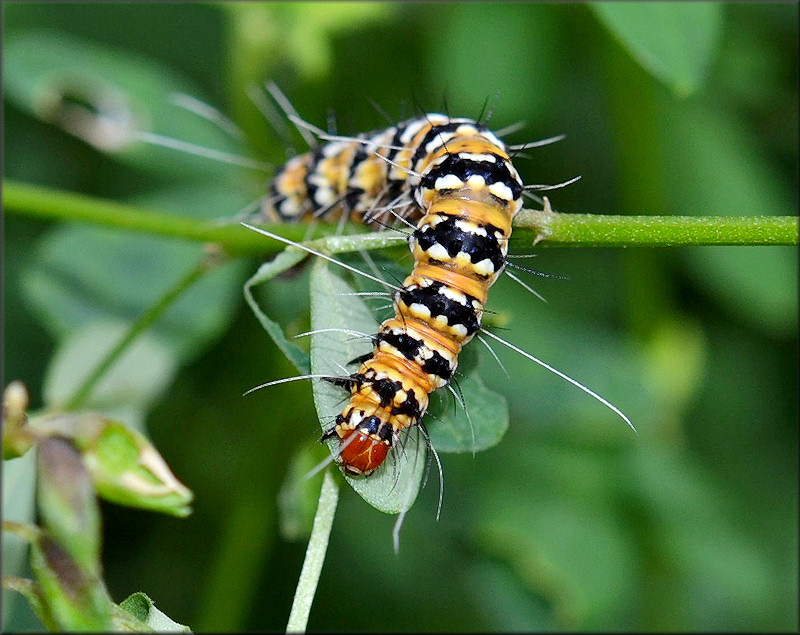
x=456, y=177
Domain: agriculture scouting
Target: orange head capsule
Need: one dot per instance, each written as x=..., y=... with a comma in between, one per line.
x=363, y=454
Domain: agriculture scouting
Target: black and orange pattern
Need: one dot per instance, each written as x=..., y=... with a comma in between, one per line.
x=457, y=177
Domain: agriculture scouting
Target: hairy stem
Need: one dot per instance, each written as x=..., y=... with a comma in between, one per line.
x=650, y=231
x=315, y=555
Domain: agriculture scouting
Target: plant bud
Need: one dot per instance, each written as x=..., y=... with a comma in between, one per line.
x=75, y=598
x=127, y=469
x=17, y=437
x=67, y=502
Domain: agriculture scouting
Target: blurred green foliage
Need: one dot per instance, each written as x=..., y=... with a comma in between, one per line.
x=571, y=522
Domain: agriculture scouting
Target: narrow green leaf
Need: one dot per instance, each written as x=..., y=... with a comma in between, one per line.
x=282, y=262
x=393, y=487
x=674, y=41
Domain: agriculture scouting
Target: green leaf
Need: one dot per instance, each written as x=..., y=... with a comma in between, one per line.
x=298, y=496
x=127, y=390
x=393, y=487
x=722, y=171
x=575, y=555
x=19, y=486
x=144, y=609
x=452, y=430
x=282, y=262
x=121, y=277
x=110, y=98
x=674, y=41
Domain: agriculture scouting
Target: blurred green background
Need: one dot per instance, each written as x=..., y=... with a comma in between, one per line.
x=570, y=523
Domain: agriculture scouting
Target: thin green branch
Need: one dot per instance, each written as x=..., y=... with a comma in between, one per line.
x=41, y=202
x=141, y=324
x=24, y=531
x=315, y=555
x=543, y=228
x=664, y=231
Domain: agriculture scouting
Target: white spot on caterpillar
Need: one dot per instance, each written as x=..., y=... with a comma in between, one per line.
x=484, y=267
x=476, y=181
x=483, y=158
x=420, y=310
x=438, y=252
x=501, y=191
x=471, y=228
x=448, y=182
x=453, y=294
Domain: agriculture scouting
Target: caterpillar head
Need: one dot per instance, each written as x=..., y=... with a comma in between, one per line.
x=363, y=448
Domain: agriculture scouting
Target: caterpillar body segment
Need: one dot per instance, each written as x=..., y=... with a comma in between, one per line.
x=438, y=310
x=456, y=178
x=383, y=167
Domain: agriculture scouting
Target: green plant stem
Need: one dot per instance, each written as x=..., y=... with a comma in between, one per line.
x=50, y=204
x=315, y=555
x=26, y=532
x=542, y=228
x=651, y=231
x=139, y=326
